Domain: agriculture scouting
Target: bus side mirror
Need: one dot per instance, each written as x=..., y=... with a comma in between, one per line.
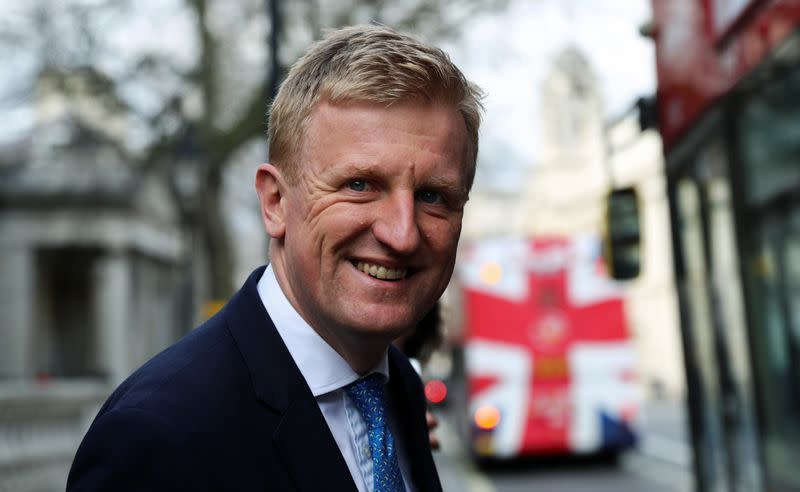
x=622, y=242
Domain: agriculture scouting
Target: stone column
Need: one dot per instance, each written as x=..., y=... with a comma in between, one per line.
x=111, y=299
x=17, y=291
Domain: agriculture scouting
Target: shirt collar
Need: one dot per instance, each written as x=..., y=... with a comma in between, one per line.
x=322, y=367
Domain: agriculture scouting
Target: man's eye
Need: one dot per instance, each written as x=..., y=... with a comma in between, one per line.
x=357, y=185
x=430, y=197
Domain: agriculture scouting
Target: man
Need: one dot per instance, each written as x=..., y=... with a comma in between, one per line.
x=293, y=384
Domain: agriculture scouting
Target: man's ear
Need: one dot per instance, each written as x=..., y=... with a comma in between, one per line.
x=270, y=189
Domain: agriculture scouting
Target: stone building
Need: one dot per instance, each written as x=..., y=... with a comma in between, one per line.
x=94, y=279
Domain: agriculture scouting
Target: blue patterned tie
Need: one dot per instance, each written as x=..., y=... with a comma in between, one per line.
x=369, y=396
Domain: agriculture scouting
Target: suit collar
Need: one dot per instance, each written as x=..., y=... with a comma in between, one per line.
x=275, y=377
x=302, y=438
x=307, y=448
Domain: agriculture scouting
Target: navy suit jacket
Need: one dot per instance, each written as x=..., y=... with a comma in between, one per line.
x=226, y=408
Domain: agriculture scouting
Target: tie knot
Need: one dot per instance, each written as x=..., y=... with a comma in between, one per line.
x=371, y=382
x=369, y=395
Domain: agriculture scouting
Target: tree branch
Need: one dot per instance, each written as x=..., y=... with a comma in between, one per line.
x=207, y=70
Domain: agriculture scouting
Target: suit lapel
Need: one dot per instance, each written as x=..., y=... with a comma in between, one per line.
x=406, y=394
x=312, y=457
x=302, y=438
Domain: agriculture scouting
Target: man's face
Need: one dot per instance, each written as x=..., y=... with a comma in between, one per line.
x=372, y=223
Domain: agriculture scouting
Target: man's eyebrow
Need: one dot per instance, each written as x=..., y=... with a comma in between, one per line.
x=443, y=182
x=450, y=186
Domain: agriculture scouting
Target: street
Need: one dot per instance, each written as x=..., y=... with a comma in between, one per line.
x=659, y=465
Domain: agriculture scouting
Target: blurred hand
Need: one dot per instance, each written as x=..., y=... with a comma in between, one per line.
x=432, y=424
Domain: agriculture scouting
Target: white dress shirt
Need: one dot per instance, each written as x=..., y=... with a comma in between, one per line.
x=327, y=373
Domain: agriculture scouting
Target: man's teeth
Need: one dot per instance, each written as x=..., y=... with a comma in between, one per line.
x=381, y=272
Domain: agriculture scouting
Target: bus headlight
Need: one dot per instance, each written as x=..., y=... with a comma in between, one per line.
x=487, y=417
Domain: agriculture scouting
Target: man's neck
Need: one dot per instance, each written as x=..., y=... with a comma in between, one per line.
x=361, y=352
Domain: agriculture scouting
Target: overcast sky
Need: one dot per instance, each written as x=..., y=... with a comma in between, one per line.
x=508, y=54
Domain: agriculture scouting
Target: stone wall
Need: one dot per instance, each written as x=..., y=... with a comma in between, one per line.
x=41, y=425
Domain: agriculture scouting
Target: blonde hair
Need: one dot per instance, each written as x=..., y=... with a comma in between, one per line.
x=368, y=63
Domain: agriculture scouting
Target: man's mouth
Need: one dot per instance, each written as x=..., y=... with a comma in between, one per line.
x=381, y=272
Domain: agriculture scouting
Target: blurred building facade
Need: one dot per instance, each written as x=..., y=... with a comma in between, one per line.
x=729, y=114
x=581, y=157
x=95, y=279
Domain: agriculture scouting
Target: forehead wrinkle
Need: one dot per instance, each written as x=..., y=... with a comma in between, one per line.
x=422, y=141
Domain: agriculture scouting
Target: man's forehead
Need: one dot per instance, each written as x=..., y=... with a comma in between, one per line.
x=367, y=117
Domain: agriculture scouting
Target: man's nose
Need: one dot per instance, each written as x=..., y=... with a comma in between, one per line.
x=396, y=225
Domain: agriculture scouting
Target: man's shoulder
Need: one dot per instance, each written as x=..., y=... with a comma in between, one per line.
x=203, y=365
x=197, y=368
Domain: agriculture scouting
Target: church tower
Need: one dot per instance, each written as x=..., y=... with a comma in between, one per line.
x=565, y=188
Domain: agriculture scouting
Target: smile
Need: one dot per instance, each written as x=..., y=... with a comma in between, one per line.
x=381, y=272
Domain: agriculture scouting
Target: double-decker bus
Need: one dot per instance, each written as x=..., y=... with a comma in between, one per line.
x=549, y=363
x=728, y=109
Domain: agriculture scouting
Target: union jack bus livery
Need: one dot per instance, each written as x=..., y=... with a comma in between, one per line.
x=549, y=362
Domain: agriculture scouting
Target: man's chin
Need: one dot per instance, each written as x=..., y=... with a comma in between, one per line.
x=383, y=325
